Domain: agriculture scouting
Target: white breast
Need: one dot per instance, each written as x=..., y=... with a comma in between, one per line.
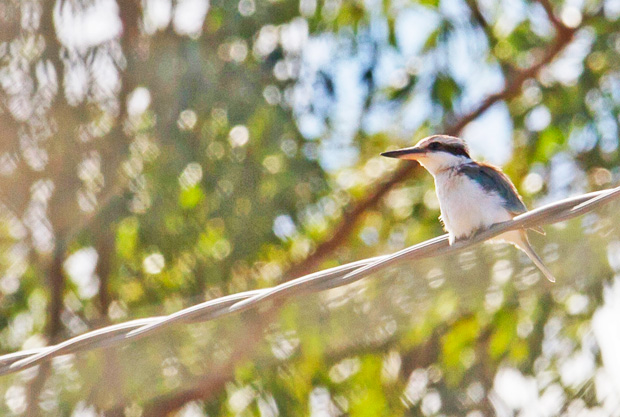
x=465, y=206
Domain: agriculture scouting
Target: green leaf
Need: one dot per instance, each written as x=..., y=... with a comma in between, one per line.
x=127, y=237
x=505, y=332
x=431, y=3
x=549, y=140
x=456, y=347
x=190, y=197
x=432, y=40
x=445, y=90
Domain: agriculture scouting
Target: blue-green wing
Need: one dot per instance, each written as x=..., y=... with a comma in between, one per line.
x=493, y=180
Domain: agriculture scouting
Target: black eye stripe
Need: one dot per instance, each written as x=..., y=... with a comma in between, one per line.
x=451, y=149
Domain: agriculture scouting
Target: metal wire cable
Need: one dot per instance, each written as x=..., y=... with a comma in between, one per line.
x=123, y=333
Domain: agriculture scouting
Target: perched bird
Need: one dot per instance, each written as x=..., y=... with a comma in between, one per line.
x=472, y=195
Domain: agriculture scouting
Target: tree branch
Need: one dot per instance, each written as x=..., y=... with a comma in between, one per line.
x=58, y=170
x=479, y=18
x=557, y=23
x=56, y=283
x=61, y=170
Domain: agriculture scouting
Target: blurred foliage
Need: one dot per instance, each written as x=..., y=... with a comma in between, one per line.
x=155, y=154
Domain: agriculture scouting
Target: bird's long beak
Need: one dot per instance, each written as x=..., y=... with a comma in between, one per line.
x=407, y=153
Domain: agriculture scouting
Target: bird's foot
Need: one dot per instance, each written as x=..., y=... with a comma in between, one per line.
x=455, y=239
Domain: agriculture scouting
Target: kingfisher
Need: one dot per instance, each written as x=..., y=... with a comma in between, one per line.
x=472, y=195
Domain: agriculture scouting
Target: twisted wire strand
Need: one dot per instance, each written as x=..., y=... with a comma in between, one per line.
x=124, y=333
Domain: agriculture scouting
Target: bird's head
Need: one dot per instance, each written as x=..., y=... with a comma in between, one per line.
x=435, y=153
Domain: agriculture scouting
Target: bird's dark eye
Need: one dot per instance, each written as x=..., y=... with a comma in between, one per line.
x=434, y=146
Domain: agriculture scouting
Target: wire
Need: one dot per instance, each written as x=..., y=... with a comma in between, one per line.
x=123, y=333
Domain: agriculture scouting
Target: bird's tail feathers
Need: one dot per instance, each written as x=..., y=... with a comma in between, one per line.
x=525, y=246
